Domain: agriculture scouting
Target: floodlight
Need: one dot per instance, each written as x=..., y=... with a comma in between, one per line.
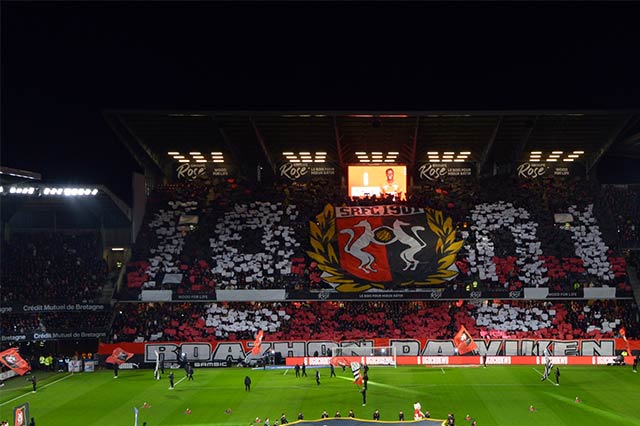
x=46, y=191
x=12, y=190
x=94, y=191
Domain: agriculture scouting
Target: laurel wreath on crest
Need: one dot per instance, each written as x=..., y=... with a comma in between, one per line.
x=323, y=237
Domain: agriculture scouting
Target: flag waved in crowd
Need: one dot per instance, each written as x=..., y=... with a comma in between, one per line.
x=119, y=356
x=464, y=342
x=12, y=359
x=257, y=344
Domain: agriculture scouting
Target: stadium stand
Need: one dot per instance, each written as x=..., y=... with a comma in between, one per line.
x=52, y=267
x=341, y=321
x=223, y=254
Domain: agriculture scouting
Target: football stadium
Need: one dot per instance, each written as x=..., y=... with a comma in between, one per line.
x=251, y=213
x=329, y=268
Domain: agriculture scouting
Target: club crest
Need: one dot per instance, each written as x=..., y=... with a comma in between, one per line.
x=384, y=247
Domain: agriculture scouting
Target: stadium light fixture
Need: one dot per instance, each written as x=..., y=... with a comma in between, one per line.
x=449, y=153
x=1, y=189
x=578, y=152
x=321, y=153
x=94, y=191
x=319, y=160
x=376, y=153
x=183, y=161
x=389, y=160
x=465, y=152
x=447, y=160
x=218, y=161
x=551, y=160
x=573, y=156
x=433, y=153
x=361, y=153
x=556, y=152
x=393, y=153
x=194, y=153
x=12, y=190
x=458, y=160
x=534, y=160
x=216, y=153
x=362, y=160
x=305, y=153
x=567, y=160
x=173, y=153
x=117, y=248
x=201, y=160
x=536, y=152
x=307, y=160
x=435, y=160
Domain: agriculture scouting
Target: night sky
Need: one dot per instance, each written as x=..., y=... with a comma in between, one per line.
x=63, y=63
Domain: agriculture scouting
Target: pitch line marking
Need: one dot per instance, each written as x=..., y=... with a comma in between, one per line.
x=541, y=375
x=43, y=387
x=442, y=369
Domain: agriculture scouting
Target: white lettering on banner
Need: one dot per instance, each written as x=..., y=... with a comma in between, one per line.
x=597, y=348
x=189, y=171
x=604, y=360
x=531, y=171
x=433, y=349
x=292, y=171
x=492, y=349
x=379, y=360
x=405, y=347
x=497, y=360
x=430, y=172
x=386, y=210
x=435, y=360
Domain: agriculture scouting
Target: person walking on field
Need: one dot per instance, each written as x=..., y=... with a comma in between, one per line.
x=247, y=383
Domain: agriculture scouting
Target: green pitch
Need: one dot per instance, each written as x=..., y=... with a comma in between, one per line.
x=493, y=396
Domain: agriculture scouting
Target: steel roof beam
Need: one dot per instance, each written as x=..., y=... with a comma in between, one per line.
x=263, y=145
x=338, y=137
x=129, y=141
x=414, y=144
x=487, y=149
x=523, y=143
x=612, y=139
x=235, y=155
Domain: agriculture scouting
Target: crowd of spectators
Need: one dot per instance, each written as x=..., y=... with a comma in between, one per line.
x=52, y=267
x=59, y=322
x=339, y=321
x=210, y=259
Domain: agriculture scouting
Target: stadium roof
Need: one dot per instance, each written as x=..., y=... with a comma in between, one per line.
x=250, y=138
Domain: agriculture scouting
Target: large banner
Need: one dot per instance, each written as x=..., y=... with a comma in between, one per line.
x=51, y=307
x=438, y=172
x=383, y=247
x=193, y=171
x=302, y=172
x=225, y=353
x=36, y=336
x=537, y=170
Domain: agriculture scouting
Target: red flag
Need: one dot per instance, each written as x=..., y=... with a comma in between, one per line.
x=464, y=342
x=623, y=333
x=12, y=359
x=257, y=344
x=119, y=356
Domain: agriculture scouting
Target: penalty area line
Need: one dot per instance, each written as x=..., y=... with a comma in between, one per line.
x=43, y=387
x=542, y=375
x=442, y=369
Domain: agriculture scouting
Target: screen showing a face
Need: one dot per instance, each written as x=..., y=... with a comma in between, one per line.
x=378, y=180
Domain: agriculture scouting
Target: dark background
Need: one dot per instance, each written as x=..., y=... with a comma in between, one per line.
x=63, y=63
